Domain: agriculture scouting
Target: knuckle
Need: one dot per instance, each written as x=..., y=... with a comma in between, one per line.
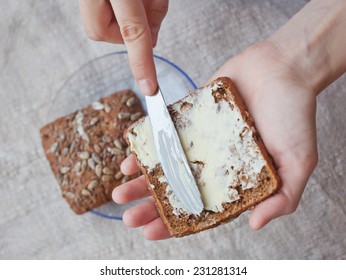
x=139, y=66
x=305, y=162
x=94, y=34
x=291, y=206
x=310, y=161
x=314, y=160
x=291, y=209
x=132, y=32
x=160, y=9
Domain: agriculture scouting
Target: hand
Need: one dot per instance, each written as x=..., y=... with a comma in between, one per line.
x=283, y=107
x=135, y=23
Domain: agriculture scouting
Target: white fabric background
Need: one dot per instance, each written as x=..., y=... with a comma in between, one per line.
x=42, y=43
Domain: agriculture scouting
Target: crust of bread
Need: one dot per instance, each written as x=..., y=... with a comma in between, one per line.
x=185, y=224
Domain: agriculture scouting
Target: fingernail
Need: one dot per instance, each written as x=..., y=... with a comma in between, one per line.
x=115, y=196
x=146, y=87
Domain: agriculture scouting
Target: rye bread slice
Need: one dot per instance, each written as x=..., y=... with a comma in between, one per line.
x=243, y=177
x=85, y=149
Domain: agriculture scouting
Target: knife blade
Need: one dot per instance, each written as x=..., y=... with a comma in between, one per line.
x=171, y=154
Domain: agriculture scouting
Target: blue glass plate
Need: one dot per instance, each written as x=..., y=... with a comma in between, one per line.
x=105, y=75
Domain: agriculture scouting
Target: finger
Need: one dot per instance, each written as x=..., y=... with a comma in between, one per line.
x=156, y=11
x=132, y=190
x=99, y=21
x=284, y=202
x=156, y=230
x=129, y=165
x=135, y=31
x=268, y=210
x=141, y=214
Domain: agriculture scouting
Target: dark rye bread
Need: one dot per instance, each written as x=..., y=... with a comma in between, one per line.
x=85, y=149
x=267, y=181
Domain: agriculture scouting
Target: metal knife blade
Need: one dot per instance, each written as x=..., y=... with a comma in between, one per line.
x=171, y=154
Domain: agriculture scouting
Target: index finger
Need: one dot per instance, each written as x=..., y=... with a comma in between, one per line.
x=134, y=28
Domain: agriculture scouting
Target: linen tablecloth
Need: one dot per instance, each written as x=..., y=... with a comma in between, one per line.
x=42, y=43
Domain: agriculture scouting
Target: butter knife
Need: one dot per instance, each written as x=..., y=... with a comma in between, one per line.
x=171, y=154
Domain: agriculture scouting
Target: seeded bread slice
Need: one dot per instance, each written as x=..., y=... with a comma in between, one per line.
x=230, y=163
x=85, y=149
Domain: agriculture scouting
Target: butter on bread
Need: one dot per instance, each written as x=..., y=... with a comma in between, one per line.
x=227, y=156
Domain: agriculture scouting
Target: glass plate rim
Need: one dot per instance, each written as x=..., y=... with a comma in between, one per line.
x=180, y=70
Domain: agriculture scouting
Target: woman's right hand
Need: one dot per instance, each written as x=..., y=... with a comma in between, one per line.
x=136, y=24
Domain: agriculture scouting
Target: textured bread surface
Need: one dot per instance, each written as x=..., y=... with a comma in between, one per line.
x=85, y=149
x=181, y=223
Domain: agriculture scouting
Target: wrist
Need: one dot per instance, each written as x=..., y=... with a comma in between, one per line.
x=308, y=73
x=311, y=44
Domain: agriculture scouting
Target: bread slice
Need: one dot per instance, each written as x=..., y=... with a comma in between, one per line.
x=230, y=163
x=85, y=149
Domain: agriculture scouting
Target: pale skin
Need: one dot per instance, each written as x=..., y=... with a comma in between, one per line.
x=279, y=79
x=135, y=23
